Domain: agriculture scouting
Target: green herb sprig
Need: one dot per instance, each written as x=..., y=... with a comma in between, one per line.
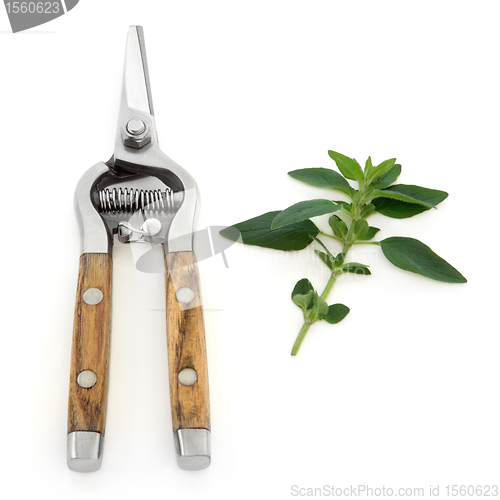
x=292, y=229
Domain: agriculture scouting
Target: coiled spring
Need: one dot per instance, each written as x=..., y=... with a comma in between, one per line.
x=119, y=200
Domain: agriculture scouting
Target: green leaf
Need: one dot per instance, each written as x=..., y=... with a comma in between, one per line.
x=319, y=308
x=396, y=195
x=368, y=193
x=302, y=287
x=372, y=231
x=325, y=258
x=386, y=180
x=338, y=226
x=356, y=199
x=339, y=258
x=356, y=268
x=399, y=209
x=349, y=167
x=303, y=301
x=302, y=294
x=336, y=313
x=344, y=204
x=367, y=210
x=304, y=210
x=382, y=169
x=360, y=228
x=368, y=166
x=258, y=232
x=412, y=255
x=322, y=177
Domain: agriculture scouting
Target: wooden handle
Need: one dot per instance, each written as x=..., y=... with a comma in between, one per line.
x=90, y=351
x=187, y=358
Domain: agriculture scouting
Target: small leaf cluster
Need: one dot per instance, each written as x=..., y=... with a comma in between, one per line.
x=314, y=307
x=374, y=191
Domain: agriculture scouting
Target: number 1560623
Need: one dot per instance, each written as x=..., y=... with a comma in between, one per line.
x=471, y=491
x=33, y=7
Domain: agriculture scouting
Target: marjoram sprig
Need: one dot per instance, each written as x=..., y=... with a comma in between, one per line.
x=291, y=230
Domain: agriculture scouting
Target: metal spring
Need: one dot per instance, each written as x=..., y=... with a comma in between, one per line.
x=119, y=200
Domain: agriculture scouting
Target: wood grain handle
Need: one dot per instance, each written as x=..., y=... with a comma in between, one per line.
x=187, y=359
x=90, y=349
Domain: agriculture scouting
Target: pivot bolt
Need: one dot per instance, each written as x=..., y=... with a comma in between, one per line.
x=135, y=133
x=136, y=127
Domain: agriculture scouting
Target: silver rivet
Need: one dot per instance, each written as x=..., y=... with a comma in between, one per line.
x=184, y=295
x=136, y=127
x=188, y=376
x=92, y=296
x=86, y=379
x=151, y=226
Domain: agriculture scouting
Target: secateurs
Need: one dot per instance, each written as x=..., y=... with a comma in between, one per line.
x=140, y=195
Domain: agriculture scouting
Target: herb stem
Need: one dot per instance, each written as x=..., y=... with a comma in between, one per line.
x=347, y=243
x=328, y=286
x=331, y=236
x=350, y=237
x=300, y=337
x=307, y=323
x=366, y=243
x=324, y=246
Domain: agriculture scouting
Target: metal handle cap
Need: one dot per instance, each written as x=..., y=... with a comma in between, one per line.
x=193, y=448
x=84, y=451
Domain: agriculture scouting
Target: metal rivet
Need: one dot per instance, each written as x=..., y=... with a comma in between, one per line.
x=188, y=376
x=185, y=295
x=86, y=379
x=92, y=296
x=136, y=126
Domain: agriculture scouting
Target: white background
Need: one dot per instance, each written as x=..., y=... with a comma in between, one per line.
x=404, y=392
